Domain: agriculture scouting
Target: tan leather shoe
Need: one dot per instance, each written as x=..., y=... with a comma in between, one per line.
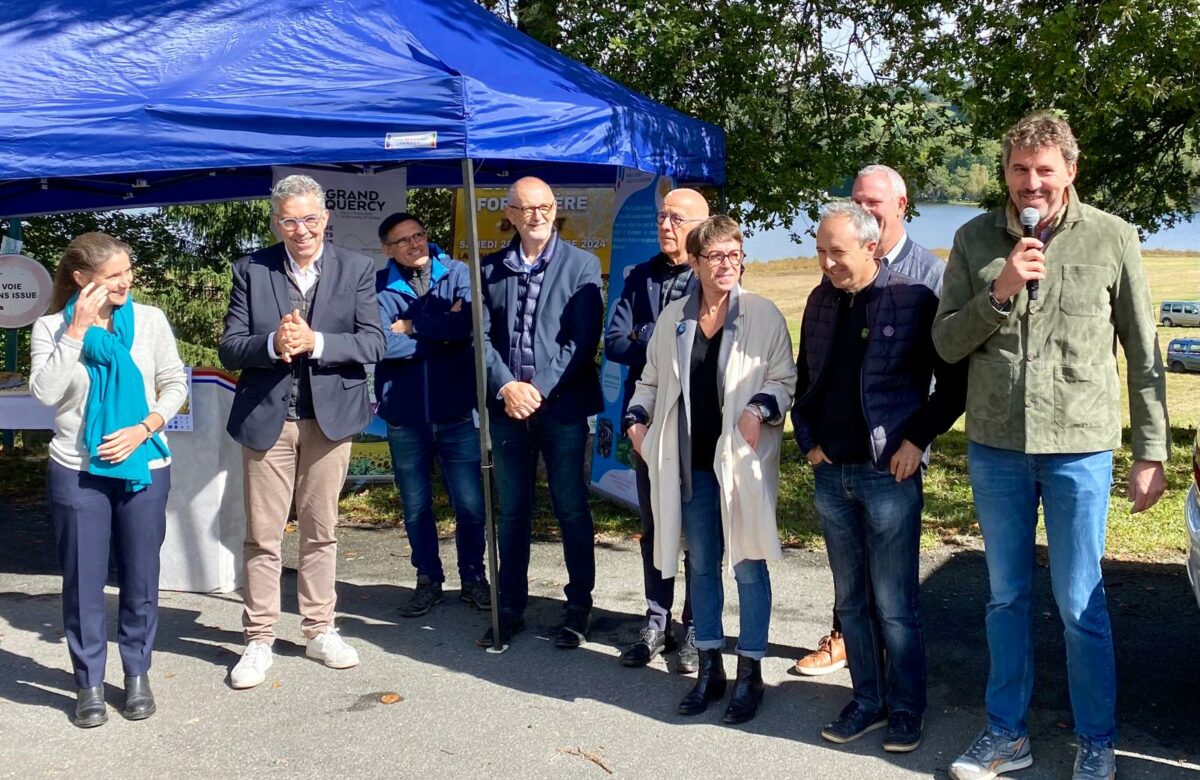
x=829, y=656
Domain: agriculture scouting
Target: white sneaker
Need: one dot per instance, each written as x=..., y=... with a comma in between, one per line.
x=252, y=668
x=331, y=650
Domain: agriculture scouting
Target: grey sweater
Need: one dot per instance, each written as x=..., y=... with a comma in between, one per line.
x=58, y=378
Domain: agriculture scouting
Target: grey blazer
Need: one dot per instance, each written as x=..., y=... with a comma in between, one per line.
x=344, y=311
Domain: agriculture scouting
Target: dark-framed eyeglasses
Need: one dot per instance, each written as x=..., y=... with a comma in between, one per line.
x=735, y=258
x=292, y=224
x=527, y=211
x=415, y=238
x=675, y=219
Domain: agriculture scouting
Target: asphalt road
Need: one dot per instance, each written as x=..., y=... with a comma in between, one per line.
x=539, y=712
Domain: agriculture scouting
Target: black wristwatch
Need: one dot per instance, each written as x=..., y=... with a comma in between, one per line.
x=1002, y=308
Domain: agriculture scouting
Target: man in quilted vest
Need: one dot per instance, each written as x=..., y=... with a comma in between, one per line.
x=863, y=417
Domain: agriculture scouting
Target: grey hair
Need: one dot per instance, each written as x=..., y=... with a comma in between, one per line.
x=894, y=178
x=865, y=225
x=296, y=186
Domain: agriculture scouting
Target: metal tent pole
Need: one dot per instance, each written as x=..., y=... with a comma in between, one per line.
x=11, y=337
x=485, y=436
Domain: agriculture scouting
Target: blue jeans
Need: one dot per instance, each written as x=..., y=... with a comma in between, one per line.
x=872, y=527
x=456, y=445
x=1073, y=490
x=515, y=448
x=703, y=530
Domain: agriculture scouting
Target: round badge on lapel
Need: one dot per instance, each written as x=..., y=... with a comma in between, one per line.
x=681, y=329
x=889, y=331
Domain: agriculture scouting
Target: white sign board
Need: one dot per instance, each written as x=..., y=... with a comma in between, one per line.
x=24, y=290
x=357, y=203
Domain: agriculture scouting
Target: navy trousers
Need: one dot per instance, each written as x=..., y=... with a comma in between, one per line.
x=87, y=512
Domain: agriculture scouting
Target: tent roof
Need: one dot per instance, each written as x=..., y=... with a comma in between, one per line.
x=121, y=103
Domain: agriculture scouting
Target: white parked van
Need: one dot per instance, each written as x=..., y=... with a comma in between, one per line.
x=1179, y=313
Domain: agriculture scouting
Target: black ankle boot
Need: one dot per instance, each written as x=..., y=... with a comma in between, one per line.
x=89, y=707
x=139, y=699
x=710, y=684
x=747, y=691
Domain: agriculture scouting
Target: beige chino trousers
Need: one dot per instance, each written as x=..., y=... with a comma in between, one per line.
x=309, y=466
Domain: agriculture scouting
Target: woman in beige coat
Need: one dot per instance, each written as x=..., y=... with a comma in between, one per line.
x=707, y=418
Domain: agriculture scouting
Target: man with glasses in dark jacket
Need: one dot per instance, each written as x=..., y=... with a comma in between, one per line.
x=542, y=322
x=425, y=386
x=648, y=288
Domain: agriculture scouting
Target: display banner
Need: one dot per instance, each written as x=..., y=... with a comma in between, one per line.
x=183, y=421
x=357, y=203
x=584, y=216
x=637, y=198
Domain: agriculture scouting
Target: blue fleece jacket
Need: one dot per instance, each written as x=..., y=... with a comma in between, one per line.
x=427, y=376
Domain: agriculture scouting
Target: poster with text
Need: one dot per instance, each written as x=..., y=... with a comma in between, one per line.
x=584, y=216
x=357, y=203
x=637, y=198
x=183, y=421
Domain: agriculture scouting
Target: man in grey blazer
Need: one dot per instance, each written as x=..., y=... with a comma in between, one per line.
x=302, y=322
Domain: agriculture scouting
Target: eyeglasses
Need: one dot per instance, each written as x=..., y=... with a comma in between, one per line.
x=527, y=211
x=291, y=224
x=675, y=219
x=735, y=258
x=415, y=238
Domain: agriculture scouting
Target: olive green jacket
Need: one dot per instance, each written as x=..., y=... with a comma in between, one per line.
x=1043, y=377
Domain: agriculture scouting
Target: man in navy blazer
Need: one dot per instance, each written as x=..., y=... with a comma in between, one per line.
x=302, y=322
x=542, y=321
x=648, y=288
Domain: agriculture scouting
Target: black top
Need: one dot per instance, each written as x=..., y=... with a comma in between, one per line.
x=839, y=425
x=675, y=280
x=705, y=399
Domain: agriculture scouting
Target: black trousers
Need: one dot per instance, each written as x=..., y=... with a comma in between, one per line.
x=88, y=512
x=660, y=593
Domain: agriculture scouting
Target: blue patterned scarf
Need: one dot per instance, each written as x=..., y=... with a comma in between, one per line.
x=116, y=397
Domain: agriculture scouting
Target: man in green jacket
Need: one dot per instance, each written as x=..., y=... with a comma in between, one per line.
x=1043, y=416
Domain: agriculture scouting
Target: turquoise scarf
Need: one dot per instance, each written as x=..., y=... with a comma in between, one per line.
x=116, y=398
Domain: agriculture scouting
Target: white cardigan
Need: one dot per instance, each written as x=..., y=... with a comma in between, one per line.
x=58, y=378
x=759, y=361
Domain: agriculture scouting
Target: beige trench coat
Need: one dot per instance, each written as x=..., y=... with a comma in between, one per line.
x=756, y=357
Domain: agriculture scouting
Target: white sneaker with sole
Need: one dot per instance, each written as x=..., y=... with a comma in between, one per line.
x=331, y=650
x=252, y=668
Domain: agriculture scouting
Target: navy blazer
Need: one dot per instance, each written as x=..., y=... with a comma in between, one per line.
x=635, y=312
x=569, y=320
x=346, y=314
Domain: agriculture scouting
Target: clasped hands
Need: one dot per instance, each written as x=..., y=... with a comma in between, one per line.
x=521, y=399
x=293, y=337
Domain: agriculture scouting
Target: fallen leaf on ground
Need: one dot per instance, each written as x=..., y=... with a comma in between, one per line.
x=390, y=698
x=584, y=754
x=276, y=684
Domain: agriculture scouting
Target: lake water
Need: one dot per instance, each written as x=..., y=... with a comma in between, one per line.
x=934, y=228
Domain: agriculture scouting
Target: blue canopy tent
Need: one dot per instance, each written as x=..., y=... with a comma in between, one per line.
x=126, y=103
x=133, y=103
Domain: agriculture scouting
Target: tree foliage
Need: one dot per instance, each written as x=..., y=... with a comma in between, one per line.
x=792, y=83
x=809, y=90
x=1122, y=72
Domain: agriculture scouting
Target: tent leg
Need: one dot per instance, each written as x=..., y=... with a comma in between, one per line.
x=485, y=436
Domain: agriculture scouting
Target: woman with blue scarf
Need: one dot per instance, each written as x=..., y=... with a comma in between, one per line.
x=111, y=369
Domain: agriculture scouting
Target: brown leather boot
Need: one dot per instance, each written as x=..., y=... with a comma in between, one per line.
x=829, y=656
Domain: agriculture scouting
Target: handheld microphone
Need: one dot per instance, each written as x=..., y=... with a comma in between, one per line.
x=1029, y=220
